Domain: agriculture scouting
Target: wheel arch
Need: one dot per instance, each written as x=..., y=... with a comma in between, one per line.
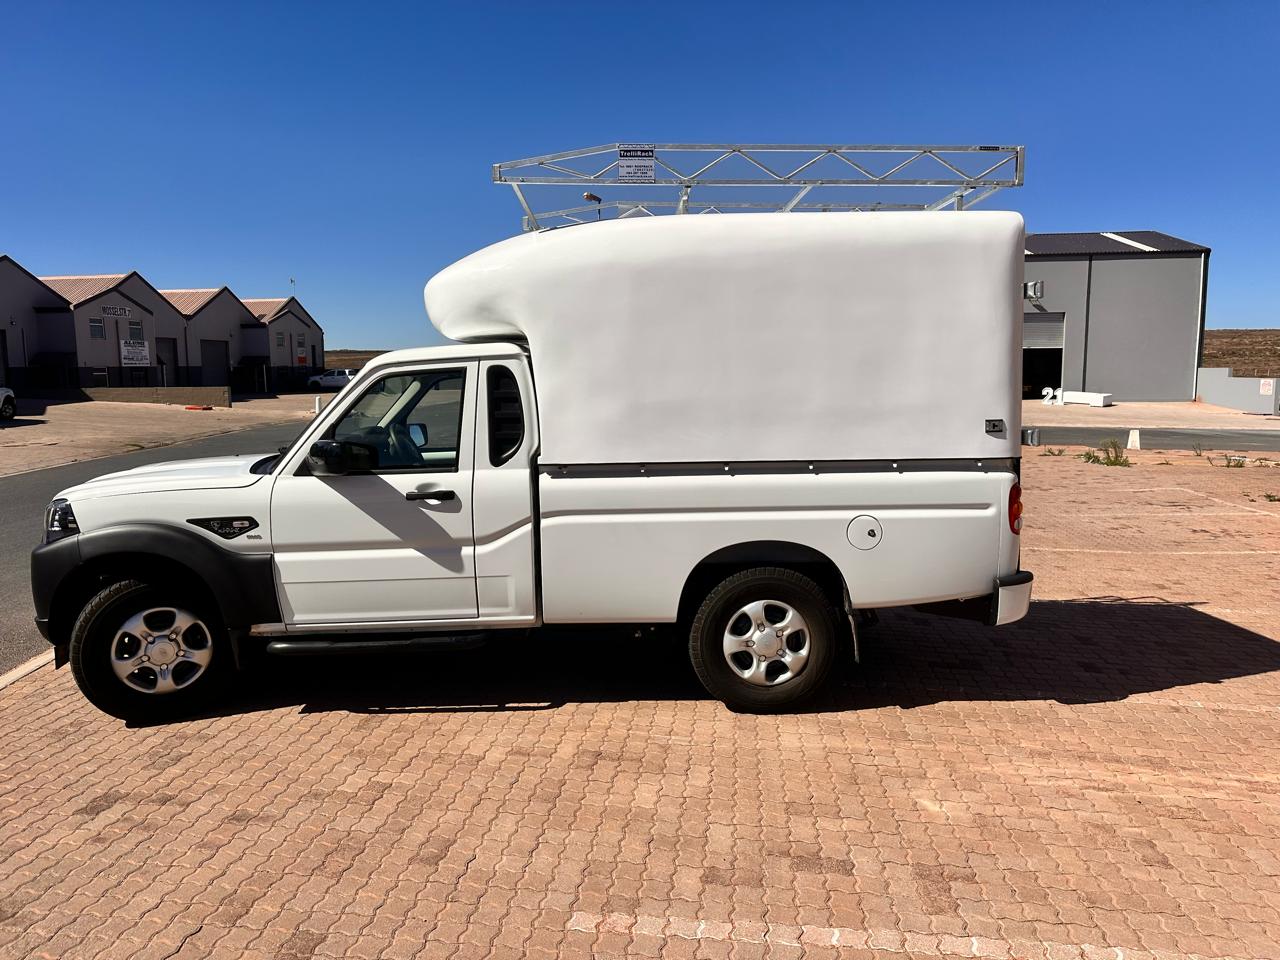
x=728, y=560
x=241, y=587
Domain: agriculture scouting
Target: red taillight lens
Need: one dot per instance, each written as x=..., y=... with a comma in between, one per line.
x=1015, y=508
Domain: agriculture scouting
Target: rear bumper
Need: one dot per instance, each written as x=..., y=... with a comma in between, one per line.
x=1011, y=598
x=1008, y=601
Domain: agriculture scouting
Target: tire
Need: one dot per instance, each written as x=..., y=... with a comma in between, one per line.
x=195, y=667
x=720, y=622
x=8, y=409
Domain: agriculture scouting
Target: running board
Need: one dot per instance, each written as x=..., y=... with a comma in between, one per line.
x=376, y=644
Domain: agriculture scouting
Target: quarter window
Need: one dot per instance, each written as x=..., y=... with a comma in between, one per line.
x=97, y=328
x=411, y=421
x=506, y=415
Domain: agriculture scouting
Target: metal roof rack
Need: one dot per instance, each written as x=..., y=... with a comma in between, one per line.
x=949, y=176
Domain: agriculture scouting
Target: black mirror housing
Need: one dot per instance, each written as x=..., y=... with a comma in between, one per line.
x=336, y=458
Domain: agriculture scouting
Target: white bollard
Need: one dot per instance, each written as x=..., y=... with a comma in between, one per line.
x=317, y=410
x=1135, y=442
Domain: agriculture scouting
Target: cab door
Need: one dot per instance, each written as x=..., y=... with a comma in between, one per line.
x=393, y=543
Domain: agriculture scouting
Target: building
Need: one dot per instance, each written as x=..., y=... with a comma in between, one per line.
x=123, y=332
x=289, y=339
x=70, y=332
x=1120, y=313
x=214, y=319
x=35, y=327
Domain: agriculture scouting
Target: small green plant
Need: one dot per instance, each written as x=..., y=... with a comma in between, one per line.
x=1271, y=498
x=1197, y=449
x=1110, y=454
x=1230, y=461
x=1053, y=451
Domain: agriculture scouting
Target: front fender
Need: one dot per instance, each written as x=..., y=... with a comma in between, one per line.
x=242, y=585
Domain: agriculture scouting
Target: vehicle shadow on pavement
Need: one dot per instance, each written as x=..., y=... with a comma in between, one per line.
x=1091, y=650
x=1079, y=651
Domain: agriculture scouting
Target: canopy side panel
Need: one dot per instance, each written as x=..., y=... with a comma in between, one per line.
x=758, y=337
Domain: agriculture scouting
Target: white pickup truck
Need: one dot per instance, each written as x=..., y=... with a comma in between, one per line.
x=753, y=426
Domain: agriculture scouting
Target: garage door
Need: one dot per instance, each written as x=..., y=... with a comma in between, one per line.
x=1042, y=331
x=214, y=363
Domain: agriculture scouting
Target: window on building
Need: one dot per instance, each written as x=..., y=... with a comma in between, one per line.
x=135, y=330
x=279, y=338
x=97, y=328
x=301, y=341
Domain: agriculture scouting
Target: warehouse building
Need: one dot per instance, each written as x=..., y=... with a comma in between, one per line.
x=68, y=333
x=116, y=324
x=214, y=318
x=1118, y=313
x=286, y=338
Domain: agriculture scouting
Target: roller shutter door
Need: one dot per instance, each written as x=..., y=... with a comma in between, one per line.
x=1042, y=331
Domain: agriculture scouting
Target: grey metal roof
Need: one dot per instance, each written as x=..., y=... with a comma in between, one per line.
x=1090, y=244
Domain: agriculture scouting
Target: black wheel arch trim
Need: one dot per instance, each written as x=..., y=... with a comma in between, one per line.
x=242, y=585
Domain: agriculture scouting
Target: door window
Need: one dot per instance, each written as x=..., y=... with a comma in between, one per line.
x=411, y=421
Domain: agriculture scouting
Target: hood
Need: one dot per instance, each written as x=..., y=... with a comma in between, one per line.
x=204, y=474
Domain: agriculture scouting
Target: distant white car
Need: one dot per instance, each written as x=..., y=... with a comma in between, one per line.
x=8, y=404
x=331, y=379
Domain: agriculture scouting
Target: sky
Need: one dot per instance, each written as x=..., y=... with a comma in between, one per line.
x=348, y=147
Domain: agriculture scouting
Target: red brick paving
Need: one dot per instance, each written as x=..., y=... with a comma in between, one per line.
x=1100, y=782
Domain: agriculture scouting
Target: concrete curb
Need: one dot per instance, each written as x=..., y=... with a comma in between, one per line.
x=22, y=670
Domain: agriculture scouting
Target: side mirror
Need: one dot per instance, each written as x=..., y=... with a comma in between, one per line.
x=336, y=458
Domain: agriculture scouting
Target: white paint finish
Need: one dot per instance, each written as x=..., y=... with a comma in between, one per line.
x=134, y=497
x=865, y=533
x=352, y=548
x=207, y=473
x=503, y=512
x=619, y=549
x=758, y=337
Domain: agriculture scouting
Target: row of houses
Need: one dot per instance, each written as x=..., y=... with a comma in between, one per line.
x=118, y=330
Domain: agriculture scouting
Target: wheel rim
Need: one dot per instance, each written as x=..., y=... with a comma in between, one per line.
x=767, y=643
x=161, y=650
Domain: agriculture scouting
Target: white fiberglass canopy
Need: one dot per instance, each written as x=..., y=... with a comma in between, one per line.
x=758, y=337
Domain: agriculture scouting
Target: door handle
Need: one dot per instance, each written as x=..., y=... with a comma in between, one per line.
x=431, y=495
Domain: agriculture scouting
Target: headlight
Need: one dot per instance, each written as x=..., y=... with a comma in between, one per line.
x=59, y=521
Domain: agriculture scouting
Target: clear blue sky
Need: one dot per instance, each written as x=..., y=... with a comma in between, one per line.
x=349, y=145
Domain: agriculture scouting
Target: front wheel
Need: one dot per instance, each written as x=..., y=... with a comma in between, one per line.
x=764, y=639
x=8, y=409
x=146, y=653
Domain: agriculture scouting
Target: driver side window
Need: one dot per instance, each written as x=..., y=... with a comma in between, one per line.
x=410, y=421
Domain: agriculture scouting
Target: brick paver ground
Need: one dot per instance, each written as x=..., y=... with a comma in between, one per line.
x=1100, y=781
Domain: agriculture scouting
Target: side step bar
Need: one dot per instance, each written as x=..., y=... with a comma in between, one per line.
x=378, y=643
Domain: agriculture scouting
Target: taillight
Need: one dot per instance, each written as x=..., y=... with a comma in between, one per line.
x=1015, y=508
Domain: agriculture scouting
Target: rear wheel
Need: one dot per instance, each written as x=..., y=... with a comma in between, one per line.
x=8, y=408
x=144, y=653
x=764, y=639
